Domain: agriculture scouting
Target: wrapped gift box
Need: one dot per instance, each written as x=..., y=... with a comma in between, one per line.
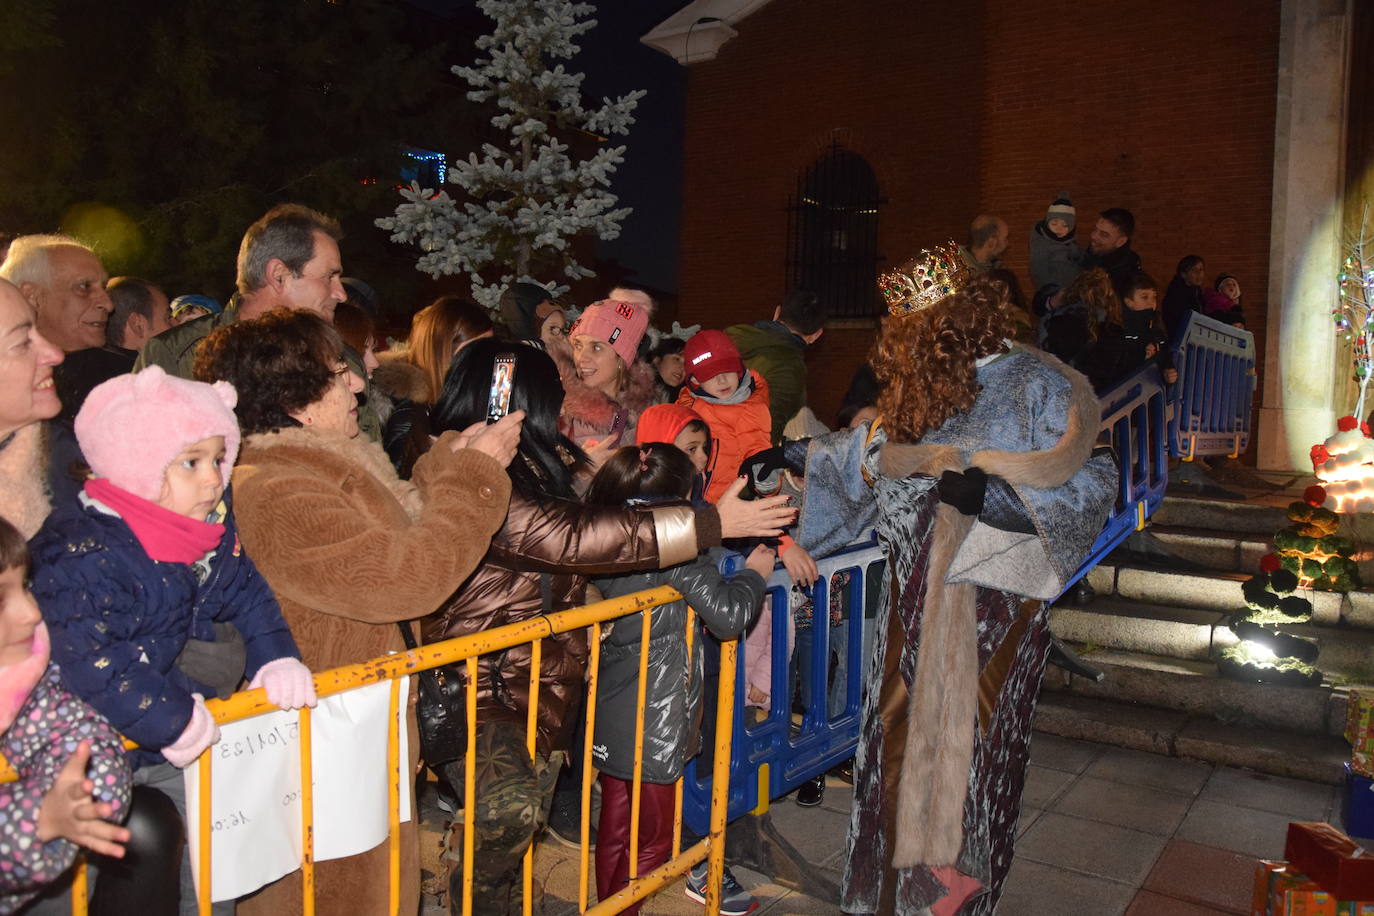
x=1359, y=730
x=1281, y=890
x=1333, y=860
x=1358, y=807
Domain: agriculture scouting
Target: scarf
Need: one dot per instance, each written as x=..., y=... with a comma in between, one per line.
x=17, y=681
x=165, y=536
x=23, y=484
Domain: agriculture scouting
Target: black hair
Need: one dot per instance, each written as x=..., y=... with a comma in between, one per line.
x=1137, y=281
x=1121, y=218
x=539, y=468
x=804, y=311
x=128, y=296
x=653, y=471
x=1187, y=263
x=14, y=550
x=666, y=346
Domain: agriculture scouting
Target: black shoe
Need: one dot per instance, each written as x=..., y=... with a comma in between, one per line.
x=565, y=822
x=844, y=771
x=812, y=792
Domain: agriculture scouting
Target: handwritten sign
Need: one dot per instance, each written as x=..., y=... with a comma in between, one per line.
x=255, y=775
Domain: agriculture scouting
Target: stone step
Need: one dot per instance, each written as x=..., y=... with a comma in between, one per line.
x=1216, y=550
x=1197, y=688
x=1219, y=591
x=1197, y=634
x=1251, y=517
x=1317, y=758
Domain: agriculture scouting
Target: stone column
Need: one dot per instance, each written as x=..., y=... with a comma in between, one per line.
x=1302, y=373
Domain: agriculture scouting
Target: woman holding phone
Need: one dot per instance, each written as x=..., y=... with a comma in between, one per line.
x=538, y=563
x=349, y=549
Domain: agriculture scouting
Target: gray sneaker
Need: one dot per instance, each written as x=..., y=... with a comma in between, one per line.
x=734, y=900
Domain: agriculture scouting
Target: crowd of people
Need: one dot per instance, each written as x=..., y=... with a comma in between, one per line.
x=200, y=498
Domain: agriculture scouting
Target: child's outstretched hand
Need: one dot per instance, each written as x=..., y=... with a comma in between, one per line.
x=800, y=566
x=288, y=683
x=71, y=812
x=760, y=560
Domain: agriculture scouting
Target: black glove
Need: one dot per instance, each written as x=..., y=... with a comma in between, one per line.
x=762, y=465
x=964, y=491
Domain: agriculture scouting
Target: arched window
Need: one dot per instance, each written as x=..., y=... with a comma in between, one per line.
x=833, y=233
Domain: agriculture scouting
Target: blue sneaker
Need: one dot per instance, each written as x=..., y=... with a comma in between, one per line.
x=734, y=900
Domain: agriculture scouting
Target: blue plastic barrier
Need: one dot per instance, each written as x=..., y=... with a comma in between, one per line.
x=772, y=757
x=1134, y=413
x=1215, y=389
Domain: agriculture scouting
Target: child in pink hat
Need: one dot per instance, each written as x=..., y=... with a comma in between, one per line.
x=150, y=601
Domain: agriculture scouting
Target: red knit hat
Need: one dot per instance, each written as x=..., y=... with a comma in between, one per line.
x=663, y=423
x=709, y=353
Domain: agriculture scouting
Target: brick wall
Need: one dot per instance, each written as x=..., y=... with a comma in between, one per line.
x=1162, y=106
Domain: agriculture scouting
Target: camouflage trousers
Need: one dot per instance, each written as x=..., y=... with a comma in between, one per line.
x=512, y=798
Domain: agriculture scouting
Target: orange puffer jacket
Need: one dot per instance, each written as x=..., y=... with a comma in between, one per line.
x=737, y=431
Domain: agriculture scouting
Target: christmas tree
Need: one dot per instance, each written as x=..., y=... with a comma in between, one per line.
x=522, y=203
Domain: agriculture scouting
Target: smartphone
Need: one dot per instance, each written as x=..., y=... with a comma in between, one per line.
x=618, y=426
x=502, y=377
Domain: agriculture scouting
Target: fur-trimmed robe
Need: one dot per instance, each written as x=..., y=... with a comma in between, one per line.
x=350, y=550
x=951, y=691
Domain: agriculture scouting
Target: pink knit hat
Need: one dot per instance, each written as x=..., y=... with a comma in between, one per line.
x=132, y=427
x=620, y=324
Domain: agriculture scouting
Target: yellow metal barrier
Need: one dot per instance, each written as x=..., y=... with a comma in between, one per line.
x=467, y=649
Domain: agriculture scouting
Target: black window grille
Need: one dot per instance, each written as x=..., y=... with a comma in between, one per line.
x=832, y=233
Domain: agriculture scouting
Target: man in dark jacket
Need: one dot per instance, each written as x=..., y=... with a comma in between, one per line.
x=290, y=259
x=1109, y=247
x=777, y=350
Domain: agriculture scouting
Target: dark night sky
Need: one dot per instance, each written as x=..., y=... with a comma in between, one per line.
x=650, y=179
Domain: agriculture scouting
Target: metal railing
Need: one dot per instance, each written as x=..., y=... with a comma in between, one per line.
x=467, y=650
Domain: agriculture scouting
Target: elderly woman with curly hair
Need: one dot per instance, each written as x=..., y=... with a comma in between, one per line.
x=986, y=494
x=349, y=549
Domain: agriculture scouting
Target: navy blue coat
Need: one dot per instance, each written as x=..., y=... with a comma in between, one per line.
x=118, y=619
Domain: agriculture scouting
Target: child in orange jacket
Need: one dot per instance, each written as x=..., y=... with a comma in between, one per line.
x=733, y=400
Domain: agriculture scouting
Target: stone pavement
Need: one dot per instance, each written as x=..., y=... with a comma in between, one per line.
x=1103, y=831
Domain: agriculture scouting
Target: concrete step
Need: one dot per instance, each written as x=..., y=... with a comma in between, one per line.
x=1216, y=550
x=1250, y=517
x=1219, y=591
x=1197, y=688
x=1198, y=634
x=1317, y=758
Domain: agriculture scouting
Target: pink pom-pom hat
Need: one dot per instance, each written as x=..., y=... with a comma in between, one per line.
x=132, y=427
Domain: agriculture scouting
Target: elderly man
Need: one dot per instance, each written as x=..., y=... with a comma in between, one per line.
x=64, y=281
x=987, y=239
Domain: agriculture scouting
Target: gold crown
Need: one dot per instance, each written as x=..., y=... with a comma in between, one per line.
x=924, y=280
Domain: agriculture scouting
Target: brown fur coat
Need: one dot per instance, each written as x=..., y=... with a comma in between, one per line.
x=350, y=550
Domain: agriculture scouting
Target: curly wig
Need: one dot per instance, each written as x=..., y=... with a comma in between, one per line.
x=279, y=364
x=925, y=359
